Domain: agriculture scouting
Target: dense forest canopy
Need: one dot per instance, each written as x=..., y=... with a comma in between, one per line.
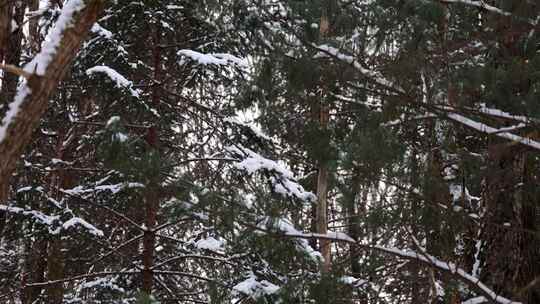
x=269, y=151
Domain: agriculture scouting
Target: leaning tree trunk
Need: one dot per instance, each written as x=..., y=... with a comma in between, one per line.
x=11, y=12
x=16, y=130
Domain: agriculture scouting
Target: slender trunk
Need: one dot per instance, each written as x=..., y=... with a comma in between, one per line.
x=322, y=208
x=60, y=179
x=152, y=194
x=6, y=9
x=356, y=207
x=12, y=52
x=33, y=30
x=354, y=222
x=35, y=268
x=322, y=177
x=149, y=239
x=55, y=270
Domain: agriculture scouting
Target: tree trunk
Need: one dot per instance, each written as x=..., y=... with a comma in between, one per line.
x=512, y=256
x=55, y=270
x=6, y=9
x=322, y=220
x=16, y=133
x=322, y=177
x=152, y=195
x=12, y=52
x=34, y=37
x=149, y=239
x=354, y=220
x=35, y=267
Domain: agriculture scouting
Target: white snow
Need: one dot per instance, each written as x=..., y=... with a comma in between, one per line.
x=77, y=221
x=332, y=51
x=118, y=187
x=117, y=78
x=209, y=243
x=476, y=300
x=215, y=59
x=41, y=61
x=39, y=216
x=480, y=4
x=102, y=282
x=285, y=226
x=253, y=128
x=50, y=220
x=490, y=130
x=284, y=183
x=254, y=288
x=450, y=267
x=112, y=121
x=457, y=193
x=101, y=31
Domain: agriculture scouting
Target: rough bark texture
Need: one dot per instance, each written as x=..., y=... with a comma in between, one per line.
x=34, y=38
x=55, y=270
x=19, y=131
x=512, y=256
x=10, y=53
x=36, y=265
x=5, y=26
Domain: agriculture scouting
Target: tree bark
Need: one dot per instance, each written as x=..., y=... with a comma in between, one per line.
x=19, y=130
x=511, y=234
x=152, y=195
x=322, y=177
x=5, y=26
x=55, y=270
x=322, y=220
x=34, y=37
x=149, y=239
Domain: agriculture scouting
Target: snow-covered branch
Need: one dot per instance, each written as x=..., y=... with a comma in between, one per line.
x=117, y=78
x=423, y=258
x=215, y=58
x=490, y=130
x=327, y=50
x=47, y=69
x=283, y=180
x=480, y=4
x=53, y=222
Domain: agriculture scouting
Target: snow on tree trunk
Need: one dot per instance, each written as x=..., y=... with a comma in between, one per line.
x=47, y=70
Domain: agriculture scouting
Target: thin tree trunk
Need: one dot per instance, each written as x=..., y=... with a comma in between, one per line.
x=354, y=222
x=35, y=267
x=322, y=208
x=12, y=52
x=34, y=37
x=152, y=194
x=322, y=177
x=149, y=239
x=55, y=270
x=5, y=26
